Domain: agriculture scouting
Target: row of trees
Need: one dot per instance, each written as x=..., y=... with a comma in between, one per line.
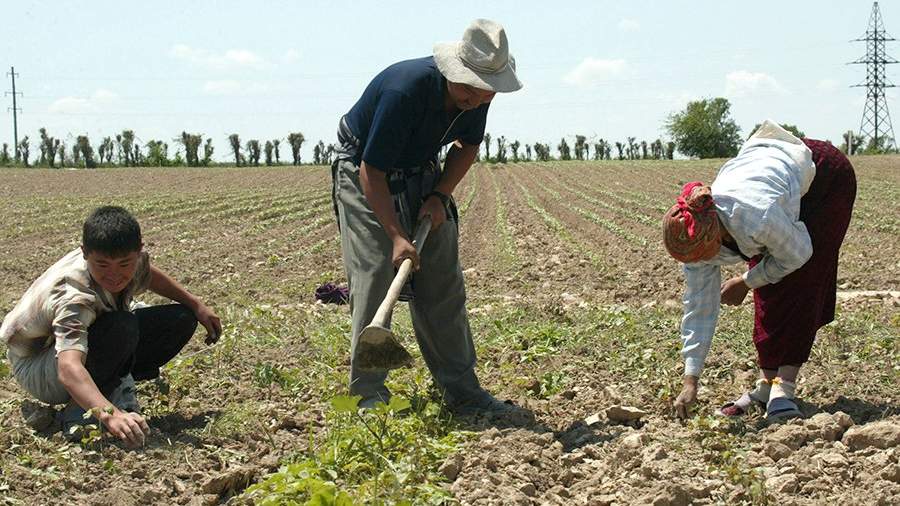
x=601, y=149
x=125, y=149
x=704, y=129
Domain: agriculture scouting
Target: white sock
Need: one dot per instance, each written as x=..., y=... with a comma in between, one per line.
x=781, y=388
x=761, y=391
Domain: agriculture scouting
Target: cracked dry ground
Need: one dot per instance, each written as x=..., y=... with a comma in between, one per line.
x=575, y=308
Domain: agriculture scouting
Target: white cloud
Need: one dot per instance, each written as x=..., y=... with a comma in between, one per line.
x=228, y=87
x=629, y=25
x=291, y=56
x=233, y=58
x=81, y=105
x=676, y=100
x=742, y=83
x=593, y=71
x=827, y=84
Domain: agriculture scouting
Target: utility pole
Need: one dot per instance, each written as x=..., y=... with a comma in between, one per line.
x=876, y=120
x=12, y=74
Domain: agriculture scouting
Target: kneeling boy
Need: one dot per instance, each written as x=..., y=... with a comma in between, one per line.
x=73, y=337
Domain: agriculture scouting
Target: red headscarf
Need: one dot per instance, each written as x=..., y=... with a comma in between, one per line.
x=691, y=226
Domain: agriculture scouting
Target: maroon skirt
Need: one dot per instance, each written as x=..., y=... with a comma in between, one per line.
x=789, y=313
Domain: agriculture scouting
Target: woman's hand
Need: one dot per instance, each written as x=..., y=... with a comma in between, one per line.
x=734, y=291
x=686, y=398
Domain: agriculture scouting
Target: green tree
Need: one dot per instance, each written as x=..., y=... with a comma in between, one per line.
x=528, y=152
x=4, y=155
x=487, y=147
x=317, y=153
x=670, y=150
x=48, y=148
x=23, y=149
x=191, y=143
x=268, y=149
x=296, y=141
x=235, y=141
x=276, y=143
x=157, y=153
x=137, y=157
x=253, y=152
x=501, y=149
x=61, y=152
x=105, y=150
x=620, y=148
x=879, y=146
x=207, y=152
x=580, y=147
x=514, y=147
x=119, y=157
x=704, y=129
x=83, y=145
x=855, y=144
x=564, y=152
x=631, y=148
x=544, y=155
x=129, y=147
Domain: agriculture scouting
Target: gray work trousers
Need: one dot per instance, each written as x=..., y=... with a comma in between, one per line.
x=438, y=309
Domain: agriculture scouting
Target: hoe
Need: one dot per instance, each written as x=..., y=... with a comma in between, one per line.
x=379, y=349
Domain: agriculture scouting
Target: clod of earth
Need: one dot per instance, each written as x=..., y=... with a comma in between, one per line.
x=883, y=434
x=624, y=413
x=230, y=482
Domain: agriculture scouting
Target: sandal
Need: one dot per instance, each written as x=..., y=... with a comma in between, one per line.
x=782, y=408
x=740, y=407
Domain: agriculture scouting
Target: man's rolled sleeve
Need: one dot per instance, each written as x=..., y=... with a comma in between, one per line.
x=701, y=313
x=70, y=327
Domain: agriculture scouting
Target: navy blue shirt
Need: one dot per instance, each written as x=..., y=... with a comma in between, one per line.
x=401, y=119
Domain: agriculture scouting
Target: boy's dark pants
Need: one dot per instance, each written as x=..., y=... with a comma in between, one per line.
x=138, y=343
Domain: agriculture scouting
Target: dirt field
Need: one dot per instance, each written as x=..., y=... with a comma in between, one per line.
x=575, y=307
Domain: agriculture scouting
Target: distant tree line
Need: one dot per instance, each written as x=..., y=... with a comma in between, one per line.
x=581, y=149
x=125, y=149
x=703, y=129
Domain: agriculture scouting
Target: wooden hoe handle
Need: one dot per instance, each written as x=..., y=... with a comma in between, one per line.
x=387, y=305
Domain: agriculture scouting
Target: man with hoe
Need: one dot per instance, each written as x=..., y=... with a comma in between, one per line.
x=387, y=176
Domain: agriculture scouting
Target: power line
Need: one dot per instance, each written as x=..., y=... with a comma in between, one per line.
x=15, y=110
x=876, y=120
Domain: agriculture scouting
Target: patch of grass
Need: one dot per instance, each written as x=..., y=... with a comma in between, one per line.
x=386, y=455
x=235, y=420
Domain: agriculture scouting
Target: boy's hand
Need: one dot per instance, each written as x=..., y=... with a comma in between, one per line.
x=129, y=427
x=210, y=321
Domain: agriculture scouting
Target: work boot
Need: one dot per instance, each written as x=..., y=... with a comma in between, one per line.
x=482, y=403
x=38, y=416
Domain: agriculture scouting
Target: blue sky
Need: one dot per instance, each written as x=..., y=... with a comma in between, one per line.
x=599, y=68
